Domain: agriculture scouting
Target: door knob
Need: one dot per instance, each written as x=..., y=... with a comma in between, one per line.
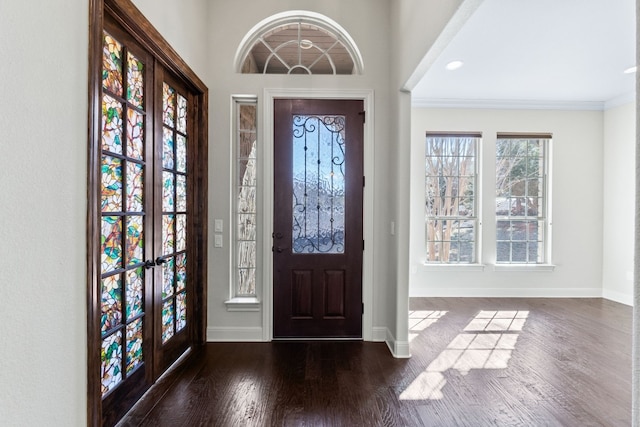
x=148, y=264
x=160, y=261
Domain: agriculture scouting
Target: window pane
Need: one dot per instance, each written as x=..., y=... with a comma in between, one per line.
x=245, y=183
x=450, y=182
x=318, y=184
x=520, y=199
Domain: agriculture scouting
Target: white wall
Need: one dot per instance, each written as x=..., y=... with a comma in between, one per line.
x=416, y=26
x=43, y=117
x=619, y=206
x=577, y=197
x=184, y=25
x=367, y=23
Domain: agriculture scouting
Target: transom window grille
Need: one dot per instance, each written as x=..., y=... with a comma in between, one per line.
x=521, y=199
x=451, y=201
x=298, y=42
x=246, y=202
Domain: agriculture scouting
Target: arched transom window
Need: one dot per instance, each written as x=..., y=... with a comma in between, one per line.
x=298, y=42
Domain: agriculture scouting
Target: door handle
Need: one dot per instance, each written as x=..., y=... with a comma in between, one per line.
x=150, y=264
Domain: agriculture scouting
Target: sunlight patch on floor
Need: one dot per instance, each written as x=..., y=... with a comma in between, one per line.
x=487, y=342
x=419, y=320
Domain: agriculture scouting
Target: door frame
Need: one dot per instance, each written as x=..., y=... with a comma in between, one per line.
x=368, y=213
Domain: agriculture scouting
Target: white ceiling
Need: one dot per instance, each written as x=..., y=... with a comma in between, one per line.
x=537, y=52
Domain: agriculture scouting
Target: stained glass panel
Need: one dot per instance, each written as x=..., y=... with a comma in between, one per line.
x=318, y=184
x=181, y=154
x=167, y=320
x=168, y=234
x=134, y=286
x=167, y=148
x=181, y=271
x=111, y=240
x=181, y=232
x=135, y=81
x=111, y=172
x=111, y=125
x=135, y=134
x=134, y=345
x=182, y=114
x=134, y=239
x=168, y=192
x=111, y=357
x=168, y=278
x=112, y=65
x=135, y=180
x=181, y=311
x=181, y=193
x=168, y=105
x=111, y=304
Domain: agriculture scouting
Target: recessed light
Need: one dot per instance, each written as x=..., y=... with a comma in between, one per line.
x=630, y=70
x=454, y=65
x=306, y=44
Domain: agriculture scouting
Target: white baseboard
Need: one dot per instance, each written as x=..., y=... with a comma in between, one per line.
x=507, y=293
x=620, y=297
x=234, y=334
x=399, y=349
x=379, y=334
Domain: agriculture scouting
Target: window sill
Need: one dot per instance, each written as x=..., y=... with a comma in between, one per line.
x=243, y=304
x=524, y=267
x=453, y=267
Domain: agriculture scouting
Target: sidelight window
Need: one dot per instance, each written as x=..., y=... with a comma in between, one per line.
x=245, y=204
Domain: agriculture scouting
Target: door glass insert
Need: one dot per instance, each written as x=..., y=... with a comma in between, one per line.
x=174, y=211
x=123, y=216
x=318, y=184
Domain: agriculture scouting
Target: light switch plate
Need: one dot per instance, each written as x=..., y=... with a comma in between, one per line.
x=217, y=226
x=217, y=240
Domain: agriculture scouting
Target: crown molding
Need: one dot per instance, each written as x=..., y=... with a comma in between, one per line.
x=498, y=104
x=618, y=101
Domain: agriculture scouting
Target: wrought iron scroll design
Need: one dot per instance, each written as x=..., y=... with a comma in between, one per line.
x=318, y=184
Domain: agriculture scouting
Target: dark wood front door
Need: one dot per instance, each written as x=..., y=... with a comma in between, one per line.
x=317, y=238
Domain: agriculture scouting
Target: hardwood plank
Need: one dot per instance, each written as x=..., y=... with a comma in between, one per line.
x=569, y=365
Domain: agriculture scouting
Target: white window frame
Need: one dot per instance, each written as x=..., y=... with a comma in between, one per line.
x=242, y=301
x=477, y=197
x=544, y=216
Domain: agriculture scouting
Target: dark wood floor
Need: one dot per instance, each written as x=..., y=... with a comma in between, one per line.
x=476, y=362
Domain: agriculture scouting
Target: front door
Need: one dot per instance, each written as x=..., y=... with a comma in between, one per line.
x=317, y=237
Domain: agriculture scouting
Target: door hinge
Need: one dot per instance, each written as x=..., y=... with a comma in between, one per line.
x=364, y=116
x=363, y=244
x=362, y=308
x=363, y=181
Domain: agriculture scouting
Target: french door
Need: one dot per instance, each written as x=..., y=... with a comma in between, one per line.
x=317, y=239
x=146, y=295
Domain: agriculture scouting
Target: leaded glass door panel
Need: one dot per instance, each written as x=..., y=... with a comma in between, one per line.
x=172, y=219
x=318, y=193
x=126, y=220
x=144, y=183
